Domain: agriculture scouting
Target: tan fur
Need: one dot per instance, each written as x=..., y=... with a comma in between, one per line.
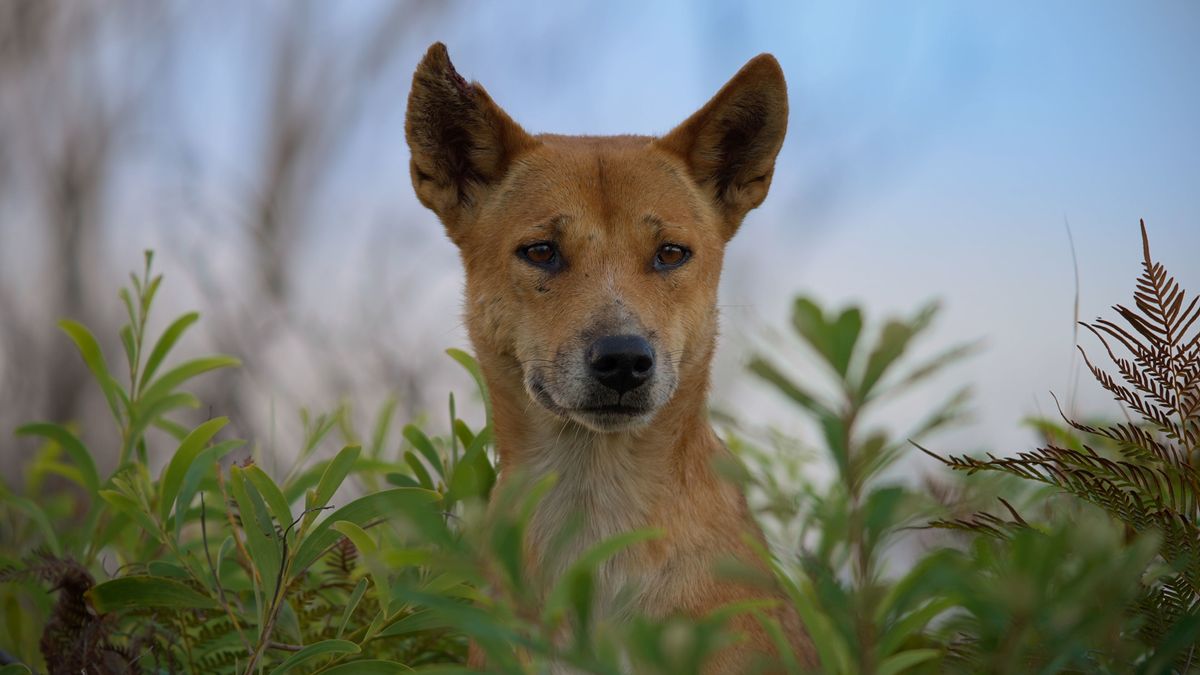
x=608, y=203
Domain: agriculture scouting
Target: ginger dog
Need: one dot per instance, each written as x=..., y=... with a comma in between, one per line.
x=592, y=266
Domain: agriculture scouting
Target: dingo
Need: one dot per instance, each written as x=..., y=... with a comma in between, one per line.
x=592, y=267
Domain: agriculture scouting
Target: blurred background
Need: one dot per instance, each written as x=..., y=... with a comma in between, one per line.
x=944, y=150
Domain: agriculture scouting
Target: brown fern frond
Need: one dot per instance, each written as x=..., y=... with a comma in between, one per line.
x=1148, y=411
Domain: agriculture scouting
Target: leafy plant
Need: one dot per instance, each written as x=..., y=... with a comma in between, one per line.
x=861, y=619
x=1140, y=473
x=218, y=567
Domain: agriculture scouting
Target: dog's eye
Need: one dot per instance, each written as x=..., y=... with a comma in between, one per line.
x=542, y=254
x=670, y=256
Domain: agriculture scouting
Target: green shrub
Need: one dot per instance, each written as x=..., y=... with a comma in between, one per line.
x=380, y=557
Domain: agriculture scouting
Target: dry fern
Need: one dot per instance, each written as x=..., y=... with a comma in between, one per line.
x=1143, y=474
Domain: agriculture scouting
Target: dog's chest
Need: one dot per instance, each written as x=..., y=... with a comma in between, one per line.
x=602, y=489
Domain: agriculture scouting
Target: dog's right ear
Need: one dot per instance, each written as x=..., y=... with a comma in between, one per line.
x=462, y=143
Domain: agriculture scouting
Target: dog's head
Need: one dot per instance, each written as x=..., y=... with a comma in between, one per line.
x=593, y=262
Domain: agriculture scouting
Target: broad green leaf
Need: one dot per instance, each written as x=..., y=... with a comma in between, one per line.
x=169, y=337
x=313, y=651
x=182, y=373
x=160, y=568
x=425, y=446
x=73, y=447
x=401, y=480
x=362, y=511
x=272, y=494
x=901, y=662
x=15, y=669
x=474, y=475
x=139, y=592
x=331, y=480
x=463, y=433
x=89, y=348
x=261, y=538
x=309, y=478
x=809, y=322
x=205, y=464
x=418, y=470
x=181, y=461
x=843, y=336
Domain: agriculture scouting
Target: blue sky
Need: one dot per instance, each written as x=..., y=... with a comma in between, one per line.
x=935, y=150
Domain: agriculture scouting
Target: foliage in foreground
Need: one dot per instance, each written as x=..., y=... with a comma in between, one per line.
x=1140, y=474
x=214, y=565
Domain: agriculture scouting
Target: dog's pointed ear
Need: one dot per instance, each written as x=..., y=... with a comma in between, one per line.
x=730, y=144
x=462, y=143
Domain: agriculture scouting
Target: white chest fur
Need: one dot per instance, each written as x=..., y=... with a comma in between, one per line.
x=604, y=486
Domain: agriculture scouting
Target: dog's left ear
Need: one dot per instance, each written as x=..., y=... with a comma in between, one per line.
x=730, y=144
x=462, y=143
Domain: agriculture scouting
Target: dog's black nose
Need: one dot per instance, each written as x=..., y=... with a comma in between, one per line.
x=621, y=362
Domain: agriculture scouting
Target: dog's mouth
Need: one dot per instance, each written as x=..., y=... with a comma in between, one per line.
x=608, y=417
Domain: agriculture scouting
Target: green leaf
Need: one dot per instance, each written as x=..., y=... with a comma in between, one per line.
x=139, y=592
x=351, y=605
x=15, y=669
x=204, y=465
x=765, y=370
x=418, y=470
x=367, y=667
x=261, y=537
x=73, y=447
x=401, y=480
x=421, y=620
x=843, y=336
x=182, y=373
x=472, y=366
x=313, y=651
x=370, y=556
x=474, y=476
x=423, y=445
x=89, y=349
x=360, y=512
x=809, y=322
x=272, y=494
x=169, y=337
x=898, y=663
x=129, y=506
x=150, y=414
x=331, y=480
x=181, y=461
x=893, y=341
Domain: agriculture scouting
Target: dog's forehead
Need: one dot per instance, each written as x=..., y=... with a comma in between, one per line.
x=608, y=180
